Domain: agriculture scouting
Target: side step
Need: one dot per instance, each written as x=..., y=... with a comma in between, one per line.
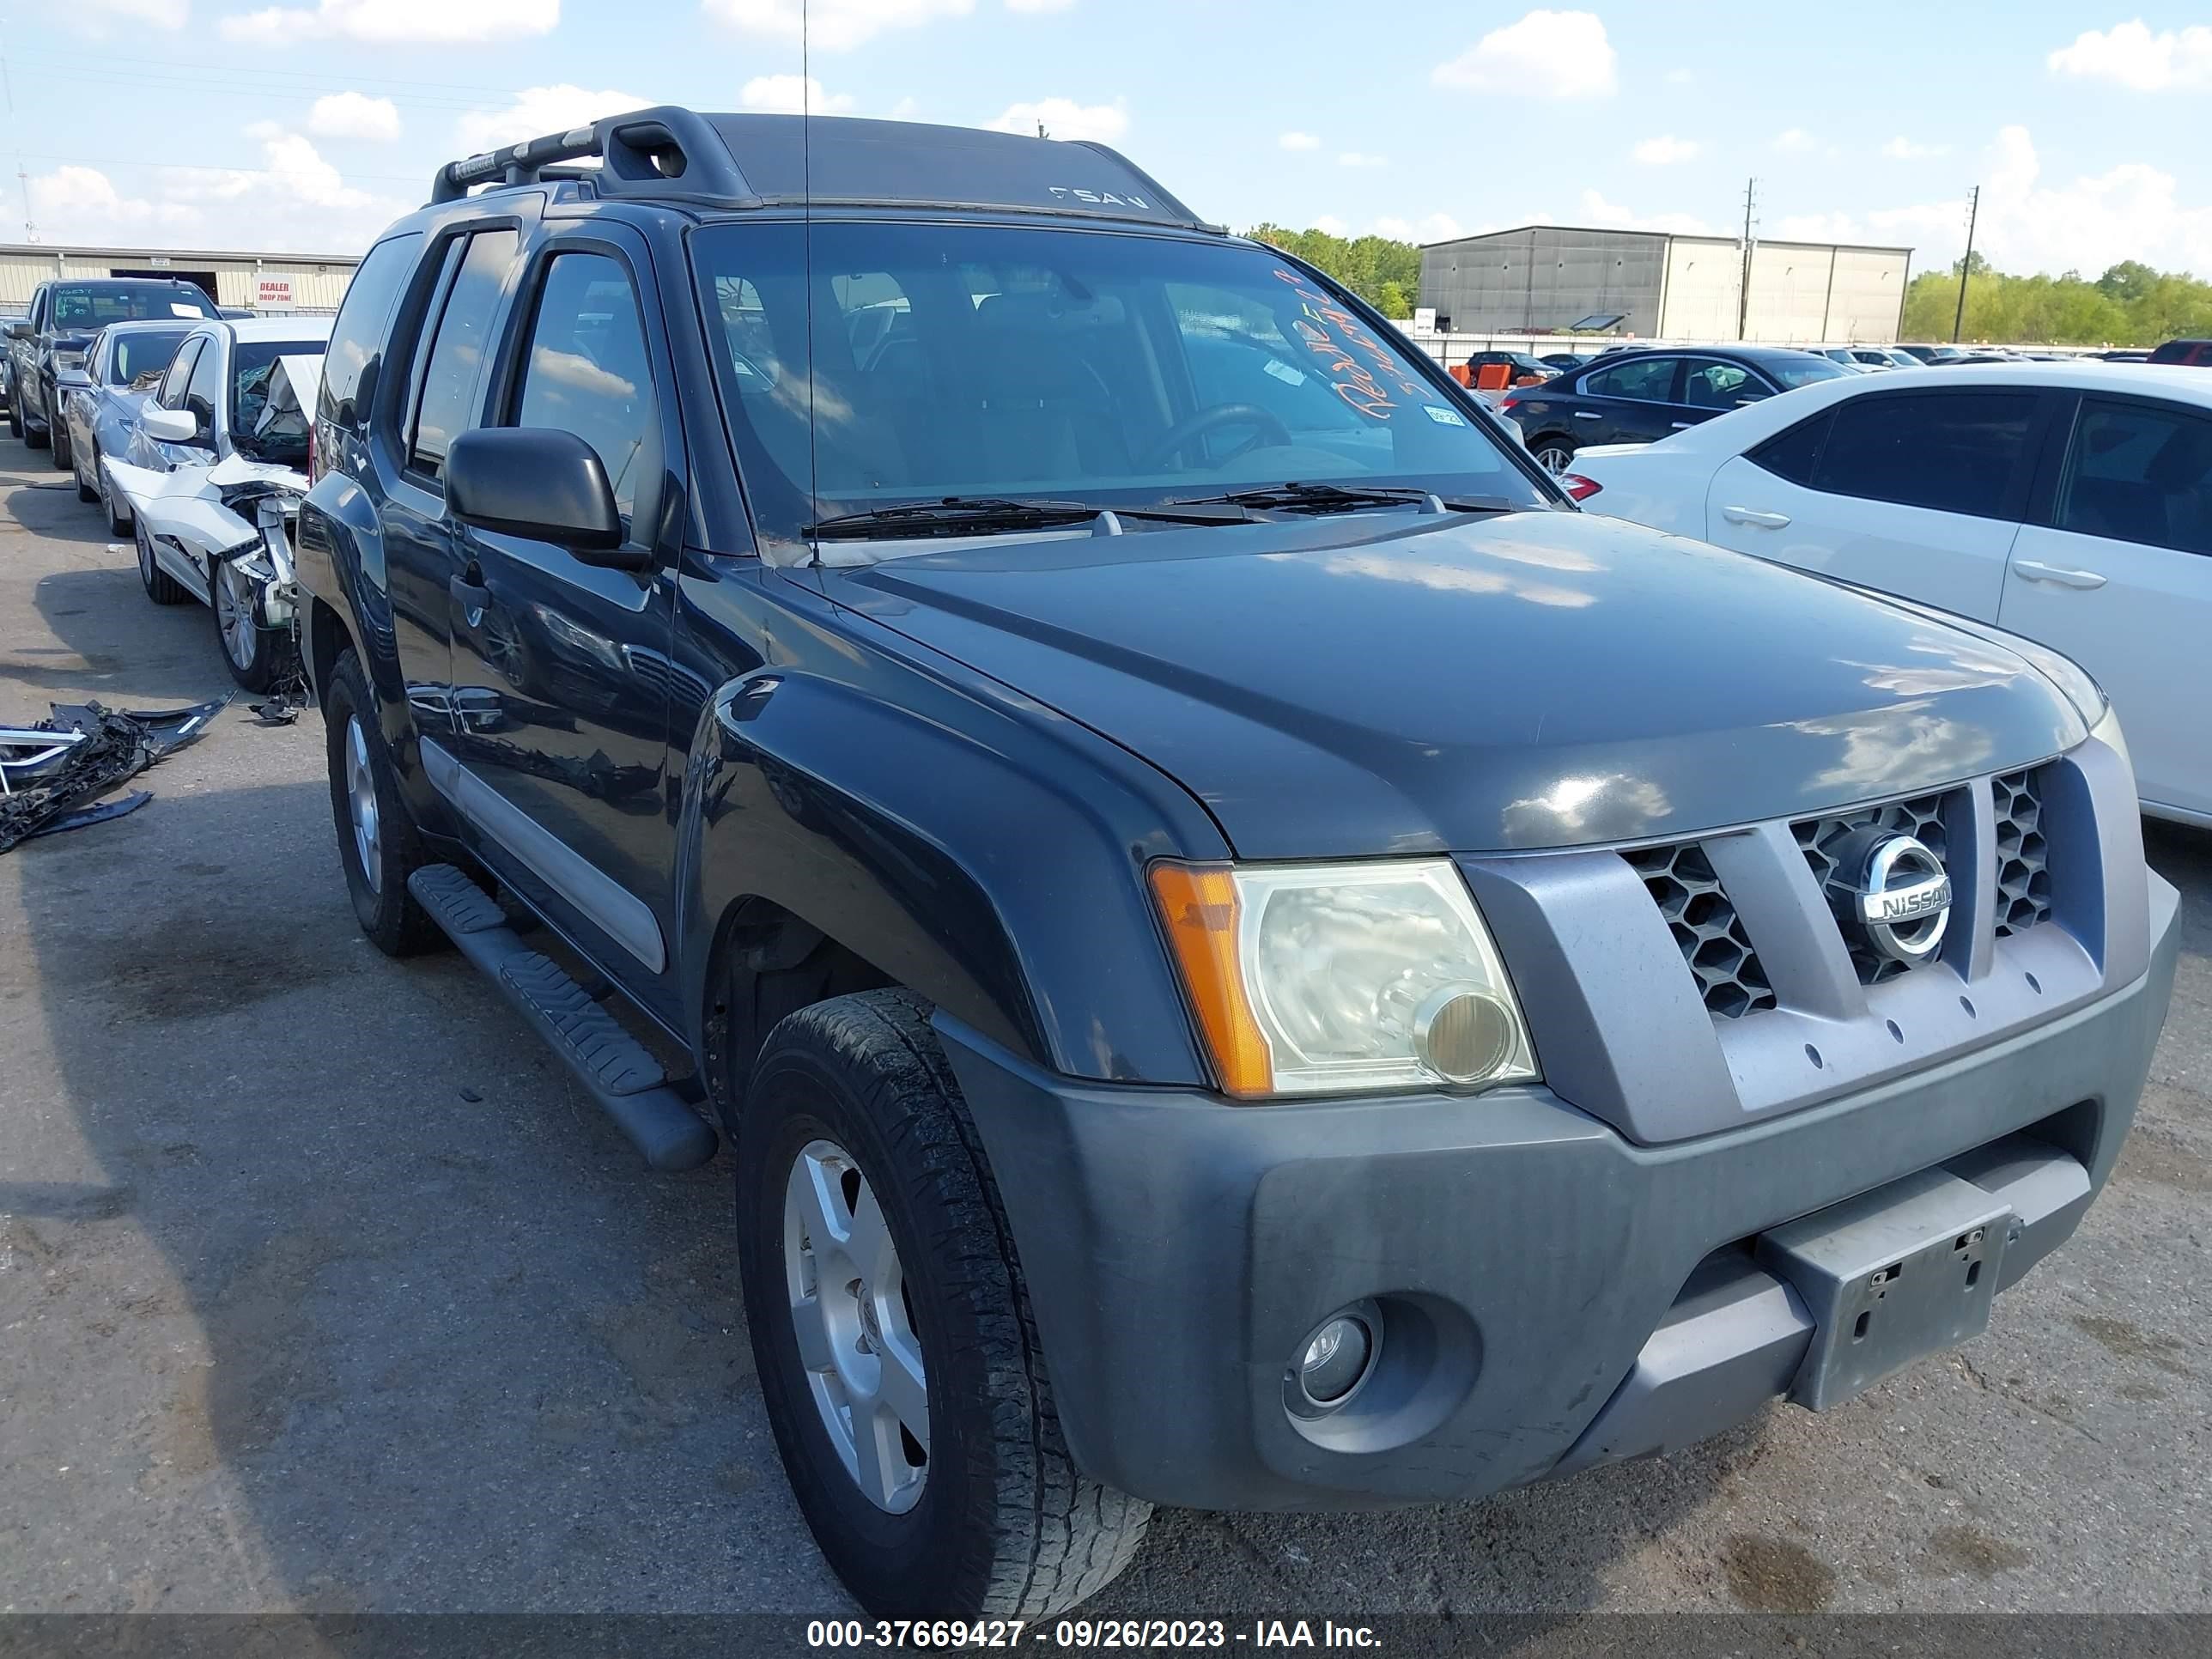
x=630, y=1085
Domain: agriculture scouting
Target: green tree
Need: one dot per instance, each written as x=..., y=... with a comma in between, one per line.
x=1386, y=274
x=2130, y=304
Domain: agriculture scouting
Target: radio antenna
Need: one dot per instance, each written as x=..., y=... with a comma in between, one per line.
x=806, y=255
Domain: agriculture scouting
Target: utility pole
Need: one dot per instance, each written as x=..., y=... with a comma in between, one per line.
x=1743, y=288
x=22, y=178
x=1967, y=264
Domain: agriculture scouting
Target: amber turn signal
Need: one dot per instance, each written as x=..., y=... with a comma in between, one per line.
x=1198, y=908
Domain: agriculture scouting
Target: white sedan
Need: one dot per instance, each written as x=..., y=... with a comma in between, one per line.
x=2071, y=503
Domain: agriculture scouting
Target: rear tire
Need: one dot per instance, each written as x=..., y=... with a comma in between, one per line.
x=1554, y=451
x=161, y=586
x=995, y=1521
x=15, y=416
x=378, y=843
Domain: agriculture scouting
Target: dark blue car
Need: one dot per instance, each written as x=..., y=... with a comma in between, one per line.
x=99, y=403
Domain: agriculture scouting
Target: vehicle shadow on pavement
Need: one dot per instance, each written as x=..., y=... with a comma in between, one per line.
x=46, y=504
x=167, y=655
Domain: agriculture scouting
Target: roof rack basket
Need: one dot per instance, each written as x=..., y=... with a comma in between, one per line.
x=665, y=151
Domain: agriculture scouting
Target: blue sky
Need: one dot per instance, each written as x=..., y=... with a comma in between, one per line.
x=306, y=125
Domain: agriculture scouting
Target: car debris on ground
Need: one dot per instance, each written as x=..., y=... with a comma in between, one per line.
x=52, y=773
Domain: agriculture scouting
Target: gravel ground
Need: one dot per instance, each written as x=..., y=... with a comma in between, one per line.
x=321, y=1288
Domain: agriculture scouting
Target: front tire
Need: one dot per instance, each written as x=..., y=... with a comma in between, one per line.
x=161, y=586
x=119, y=518
x=86, y=492
x=892, y=1329
x=378, y=843
x=58, y=429
x=258, y=657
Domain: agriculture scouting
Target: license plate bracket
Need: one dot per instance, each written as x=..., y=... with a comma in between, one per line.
x=1888, y=1276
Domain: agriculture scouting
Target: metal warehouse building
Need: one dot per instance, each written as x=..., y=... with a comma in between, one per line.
x=266, y=282
x=1543, y=277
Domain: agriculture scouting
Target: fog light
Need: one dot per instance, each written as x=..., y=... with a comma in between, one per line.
x=1335, y=1360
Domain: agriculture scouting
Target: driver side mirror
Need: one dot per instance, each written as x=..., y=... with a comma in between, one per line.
x=542, y=483
x=169, y=426
x=20, y=328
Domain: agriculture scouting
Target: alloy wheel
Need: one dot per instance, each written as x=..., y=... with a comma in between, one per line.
x=361, y=806
x=856, y=1338
x=233, y=613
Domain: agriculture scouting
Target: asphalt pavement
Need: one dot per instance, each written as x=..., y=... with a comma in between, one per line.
x=321, y=1287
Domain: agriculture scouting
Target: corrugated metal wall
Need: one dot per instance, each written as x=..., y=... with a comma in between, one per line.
x=1674, y=288
x=1545, y=278
x=317, y=285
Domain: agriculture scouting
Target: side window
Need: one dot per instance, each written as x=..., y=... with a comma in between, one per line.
x=449, y=382
x=1641, y=380
x=588, y=370
x=203, y=391
x=2137, y=473
x=1955, y=452
x=1711, y=384
x=172, y=394
x=1795, y=455
x=357, y=335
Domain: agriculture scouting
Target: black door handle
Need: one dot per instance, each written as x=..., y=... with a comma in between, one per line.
x=472, y=598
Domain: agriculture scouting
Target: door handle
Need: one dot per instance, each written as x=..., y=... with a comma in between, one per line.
x=1588, y=415
x=1684, y=426
x=472, y=598
x=1749, y=515
x=2035, y=571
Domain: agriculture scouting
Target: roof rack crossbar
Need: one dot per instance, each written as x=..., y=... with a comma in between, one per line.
x=662, y=151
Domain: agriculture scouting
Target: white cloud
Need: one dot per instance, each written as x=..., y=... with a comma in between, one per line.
x=1665, y=151
x=789, y=94
x=1547, y=54
x=1594, y=210
x=295, y=201
x=2131, y=55
x=1038, y=5
x=351, y=115
x=1298, y=140
x=1904, y=149
x=1434, y=228
x=1818, y=227
x=395, y=22
x=1354, y=158
x=1063, y=117
x=1795, y=142
x=830, y=24
x=1332, y=224
x=98, y=18
x=541, y=110
x=1679, y=77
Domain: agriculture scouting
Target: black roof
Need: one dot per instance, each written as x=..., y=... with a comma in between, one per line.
x=750, y=162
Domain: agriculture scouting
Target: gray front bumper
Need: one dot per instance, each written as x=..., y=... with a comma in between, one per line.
x=1178, y=1251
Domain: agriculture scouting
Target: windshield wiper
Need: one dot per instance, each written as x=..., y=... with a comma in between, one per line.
x=963, y=515
x=1296, y=497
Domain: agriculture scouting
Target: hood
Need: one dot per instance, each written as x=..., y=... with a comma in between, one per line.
x=1390, y=683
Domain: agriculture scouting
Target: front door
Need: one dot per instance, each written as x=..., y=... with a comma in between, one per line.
x=561, y=668
x=1629, y=403
x=2120, y=580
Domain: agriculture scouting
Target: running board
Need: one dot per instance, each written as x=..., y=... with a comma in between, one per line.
x=620, y=1073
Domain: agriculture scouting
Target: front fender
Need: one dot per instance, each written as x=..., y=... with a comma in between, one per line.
x=1002, y=890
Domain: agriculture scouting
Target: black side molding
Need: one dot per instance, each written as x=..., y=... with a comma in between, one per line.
x=619, y=1071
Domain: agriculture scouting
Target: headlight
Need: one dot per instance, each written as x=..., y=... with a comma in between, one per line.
x=2107, y=732
x=67, y=359
x=1339, y=978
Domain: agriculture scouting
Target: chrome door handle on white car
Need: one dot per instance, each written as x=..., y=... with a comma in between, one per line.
x=2035, y=571
x=1748, y=515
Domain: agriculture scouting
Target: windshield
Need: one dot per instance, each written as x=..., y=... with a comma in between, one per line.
x=96, y=308
x=962, y=359
x=1791, y=373
x=277, y=436
x=143, y=352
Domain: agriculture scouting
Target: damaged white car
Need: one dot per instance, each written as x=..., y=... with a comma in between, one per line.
x=213, y=475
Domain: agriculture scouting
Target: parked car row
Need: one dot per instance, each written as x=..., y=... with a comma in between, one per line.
x=2071, y=503
x=189, y=428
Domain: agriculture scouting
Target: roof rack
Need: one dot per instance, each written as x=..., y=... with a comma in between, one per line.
x=671, y=153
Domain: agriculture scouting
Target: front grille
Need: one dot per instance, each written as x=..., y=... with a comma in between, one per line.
x=1706, y=929
x=2023, y=872
x=1921, y=817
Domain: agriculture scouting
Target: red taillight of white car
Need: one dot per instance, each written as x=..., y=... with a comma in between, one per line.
x=1577, y=486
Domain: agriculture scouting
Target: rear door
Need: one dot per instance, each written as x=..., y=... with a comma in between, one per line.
x=1629, y=403
x=1916, y=493
x=2118, y=575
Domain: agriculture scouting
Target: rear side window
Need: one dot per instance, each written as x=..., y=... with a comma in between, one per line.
x=1955, y=452
x=1795, y=455
x=2137, y=473
x=587, y=371
x=357, y=335
x=449, y=382
x=1646, y=381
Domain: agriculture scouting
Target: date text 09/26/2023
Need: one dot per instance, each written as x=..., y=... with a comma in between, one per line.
x=1087, y=1633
